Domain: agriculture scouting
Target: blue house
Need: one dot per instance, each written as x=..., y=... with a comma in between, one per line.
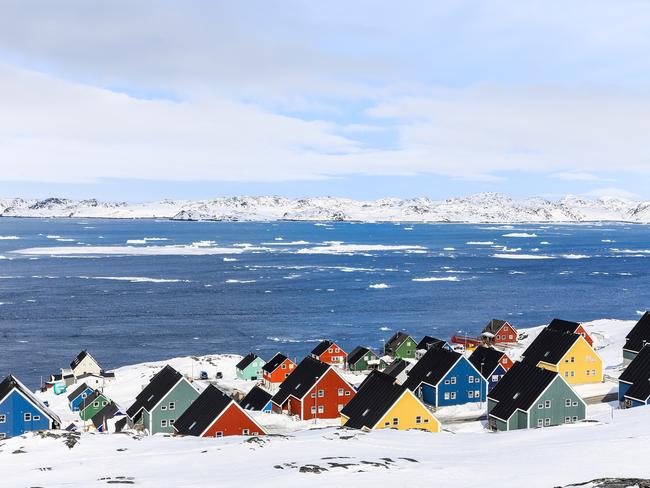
x=21, y=411
x=442, y=378
x=77, y=397
x=257, y=399
x=634, y=382
x=490, y=363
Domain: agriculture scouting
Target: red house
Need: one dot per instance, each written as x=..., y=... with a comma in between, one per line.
x=329, y=352
x=215, y=414
x=569, y=327
x=313, y=390
x=499, y=332
x=277, y=369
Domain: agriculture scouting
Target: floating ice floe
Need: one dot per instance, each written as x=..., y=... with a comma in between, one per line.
x=135, y=279
x=522, y=256
x=436, y=278
x=519, y=234
x=479, y=243
x=379, y=286
x=575, y=256
x=240, y=281
x=9, y=238
x=352, y=248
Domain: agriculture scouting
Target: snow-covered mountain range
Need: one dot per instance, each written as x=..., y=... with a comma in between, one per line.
x=483, y=207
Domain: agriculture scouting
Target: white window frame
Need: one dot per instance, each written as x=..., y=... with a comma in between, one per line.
x=453, y=380
x=340, y=392
x=3, y=419
x=163, y=423
x=453, y=395
x=172, y=405
x=245, y=432
x=27, y=417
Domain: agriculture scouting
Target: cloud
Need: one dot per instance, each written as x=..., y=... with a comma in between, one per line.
x=578, y=176
x=613, y=193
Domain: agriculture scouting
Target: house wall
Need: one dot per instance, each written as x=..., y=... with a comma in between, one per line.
x=183, y=395
x=461, y=373
x=334, y=357
x=76, y=403
x=506, y=362
x=427, y=394
x=558, y=392
x=497, y=424
x=406, y=349
x=495, y=377
x=331, y=402
x=14, y=407
x=92, y=408
x=280, y=373
x=87, y=365
x=506, y=334
x=628, y=356
x=622, y=390
x=406, y=411
x=233, y=422
x=580, y=330
x=253, y=371
x=362, y=363
x=294, y=406
x=577, y=361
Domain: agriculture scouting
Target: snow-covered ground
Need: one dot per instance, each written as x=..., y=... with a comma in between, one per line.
x=483, y=207
x=612, y=443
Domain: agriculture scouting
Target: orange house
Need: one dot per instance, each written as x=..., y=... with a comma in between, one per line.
x=278, y=369
x=329, y=352
x=499, y=332
x=215, y=414
x=313, y=390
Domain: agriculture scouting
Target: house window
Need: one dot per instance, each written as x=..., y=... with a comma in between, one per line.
x=286, y=375
x=96, y=404
x=453, y=395
x=3, y=435
x=291, y=366
x=418, y=419
x=386, y=424
x=510, y=337
x=587, y=372
x=547, y=404
x=566, y=374
x=573, y=359
x=540, y=423
x=313, y=409
x=256, y=433
x=477, y=394
x=313, y=395
x=84, y=395
x=446, y=395
x=104, y=403
x=504, y=360
x=321, y=393
x=340, y=392
x=171, y=421
x=244, y=431
x=575, y=403
x=395, y=421
x=426, y=421
x=453, y=380
x=163, y=423
x=471, y=379
x=567, y=420
x=446, y=382
x=567, y=402
x=347, y=393
x=540, y=406
x=573, y=373
x=163, y=407
x=593, y=372
x=3, y=419
x=284, y=366
x=172, y=405
x=218, y=434
x=321, y=409
x=37, y=417
x=336, y=349
x=547, y=422
x=495, y=378
x=470, y=394
x=575, y=418
x=339, y=407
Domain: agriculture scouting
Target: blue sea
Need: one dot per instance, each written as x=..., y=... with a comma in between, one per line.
x=284, y=286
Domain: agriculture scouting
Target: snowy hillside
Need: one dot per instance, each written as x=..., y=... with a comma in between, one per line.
x=611, y=443
x=485, y=207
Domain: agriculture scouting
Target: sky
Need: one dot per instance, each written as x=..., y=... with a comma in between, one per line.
x=123, y=100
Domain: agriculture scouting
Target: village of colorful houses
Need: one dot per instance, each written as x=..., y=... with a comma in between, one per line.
x=403, y=387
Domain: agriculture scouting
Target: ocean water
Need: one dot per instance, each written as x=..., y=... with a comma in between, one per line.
x=268, y=287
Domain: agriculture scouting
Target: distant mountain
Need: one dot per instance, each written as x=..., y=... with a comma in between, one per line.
x=483, y=207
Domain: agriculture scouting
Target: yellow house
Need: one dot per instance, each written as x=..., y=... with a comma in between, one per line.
x=381, y=404
x=568, y=354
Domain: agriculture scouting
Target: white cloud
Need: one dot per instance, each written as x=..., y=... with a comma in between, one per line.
x=578, y=176
x=613, y=193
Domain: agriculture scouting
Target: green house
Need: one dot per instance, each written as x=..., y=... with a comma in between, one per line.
x=531, y=397
x=164, y=399
x=401, y=345
x=92, y=404
x=364, y=359
x=250, y=368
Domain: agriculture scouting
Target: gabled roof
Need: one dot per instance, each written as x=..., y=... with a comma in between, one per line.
x=428, y=342
x=396, y=341
x=203, y=411
x=80, y=357
x=519, y=388
x=91, y=398
x=638, y=375
x=157, y=388
x=639, y=335
x=358, y=353
x=78, y=391
x=489, y=357
x=377, y=394
x=303, y=378
x=431, y=368
x=248, y=359
x=396, y=367
x=322, y=347
x=565, y=326
x=494, y=325
x=103, y=374
x=549, y=346
x=11, y=382
x=256, y=399
x=106, y=413
x=274, y=363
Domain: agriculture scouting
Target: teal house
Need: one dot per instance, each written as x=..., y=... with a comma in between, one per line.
x=531, y=397
x=250, y=368
x=164, y=399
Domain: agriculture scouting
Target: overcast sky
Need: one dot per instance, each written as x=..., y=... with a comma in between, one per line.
x=191, y=99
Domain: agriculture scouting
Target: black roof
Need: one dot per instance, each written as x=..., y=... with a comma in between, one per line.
x=157, y=388
x=11, y=382
x=256, y=399
x=108, y=412
x=397, y=340
x=563, y=325
x=494, y=325
x=638, y=375
x=303, y=378
x=431, y=368
x=396, y=367
x=275, y=362
x=639, y=335
x=374, y=398
x=519, y=388
x=78, y=391
x=80, y=357
x=427, y=342
x=203, y=411
x=321, y=347
x=549, y=346
x=490, y=358
x=358, y=353
x=249, y=358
